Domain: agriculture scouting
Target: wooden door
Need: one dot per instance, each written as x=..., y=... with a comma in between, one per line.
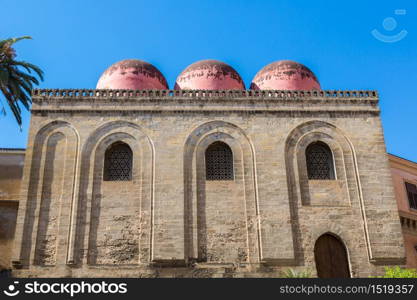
x=331, y=257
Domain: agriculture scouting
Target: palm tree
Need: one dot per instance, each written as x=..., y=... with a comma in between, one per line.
x=15, y=83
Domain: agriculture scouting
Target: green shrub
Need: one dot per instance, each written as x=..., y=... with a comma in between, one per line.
x=291, y=273
x=397, y=272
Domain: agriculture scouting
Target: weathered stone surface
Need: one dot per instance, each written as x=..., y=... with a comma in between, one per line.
x=168, y=221
x=11, y=169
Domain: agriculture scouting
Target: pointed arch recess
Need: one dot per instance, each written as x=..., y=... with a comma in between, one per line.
x=194, y=185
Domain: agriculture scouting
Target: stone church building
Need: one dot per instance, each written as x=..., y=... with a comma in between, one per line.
x=206, y=180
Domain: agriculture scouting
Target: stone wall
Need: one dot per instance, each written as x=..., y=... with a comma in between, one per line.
x=169, y=221
x=11, y=165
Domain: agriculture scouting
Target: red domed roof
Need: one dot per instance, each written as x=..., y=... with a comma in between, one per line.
x=209, y=75
x=285, y=75
x=132, y=74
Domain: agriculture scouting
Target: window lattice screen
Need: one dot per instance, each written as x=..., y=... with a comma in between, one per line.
x=219, y=162
x=319, y=162
x=118, y=163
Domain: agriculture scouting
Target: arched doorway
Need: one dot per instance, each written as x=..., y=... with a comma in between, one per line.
x=331, y=257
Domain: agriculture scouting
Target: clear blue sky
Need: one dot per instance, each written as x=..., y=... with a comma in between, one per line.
x=75, y=41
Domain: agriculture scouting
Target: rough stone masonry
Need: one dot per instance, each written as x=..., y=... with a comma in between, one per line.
x=168, y=220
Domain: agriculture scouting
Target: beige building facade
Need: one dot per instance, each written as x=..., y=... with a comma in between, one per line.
x=120, y=183
x=11, y=164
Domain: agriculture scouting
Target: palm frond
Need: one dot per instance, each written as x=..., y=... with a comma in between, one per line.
x=4, y=75
x=29, y=67
x=20, y=94
x=12, y=41
x=16, y=79
x=27, y=86
x=14, y=107
x=26, y=77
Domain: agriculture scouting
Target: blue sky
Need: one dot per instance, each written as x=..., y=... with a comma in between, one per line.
x=75, y=41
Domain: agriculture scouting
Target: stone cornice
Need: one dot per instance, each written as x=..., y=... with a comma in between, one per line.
x=408, y=214
x=408, y=223
x=402, y=164
x=13, y=150
x=40, y=94
x=199, y=101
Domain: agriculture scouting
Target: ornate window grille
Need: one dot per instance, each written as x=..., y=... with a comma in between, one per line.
x=219, y=162
x=118, y=163
x=412, y=194
x=319, y=162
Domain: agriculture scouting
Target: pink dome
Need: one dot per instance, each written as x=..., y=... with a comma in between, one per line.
x=285, y=75
x=209, y=75
x=132, y=74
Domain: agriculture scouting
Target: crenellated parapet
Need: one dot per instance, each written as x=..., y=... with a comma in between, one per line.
x=205, y=101
x=39, y=94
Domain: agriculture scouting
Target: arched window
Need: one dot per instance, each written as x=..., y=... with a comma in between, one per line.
x=319, y=160
x=118, y=162
x=219, y=162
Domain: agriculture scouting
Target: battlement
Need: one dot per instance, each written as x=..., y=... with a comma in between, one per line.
x=272, y=94
x=202, y=101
